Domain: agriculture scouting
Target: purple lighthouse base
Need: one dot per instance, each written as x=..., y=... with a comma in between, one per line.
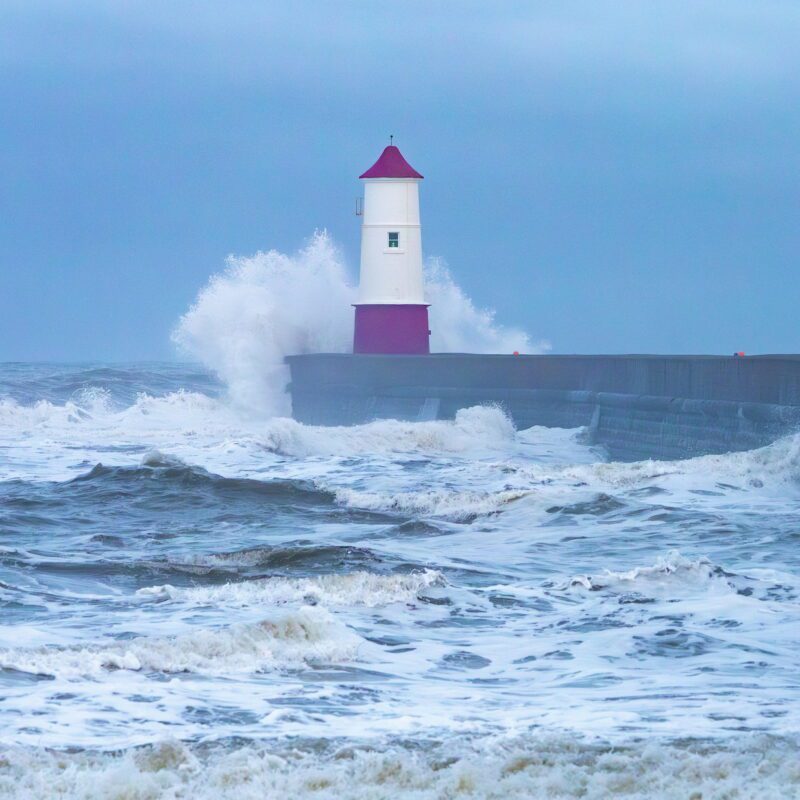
x=391, y=329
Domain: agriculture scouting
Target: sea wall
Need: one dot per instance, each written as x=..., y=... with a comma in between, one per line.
x=635, y=406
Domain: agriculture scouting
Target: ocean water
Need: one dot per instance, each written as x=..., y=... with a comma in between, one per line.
x=203, y=601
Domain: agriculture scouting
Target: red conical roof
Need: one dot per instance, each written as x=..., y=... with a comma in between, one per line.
x=391, y=164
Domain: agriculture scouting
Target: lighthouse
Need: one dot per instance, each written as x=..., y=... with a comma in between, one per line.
x=391, y=313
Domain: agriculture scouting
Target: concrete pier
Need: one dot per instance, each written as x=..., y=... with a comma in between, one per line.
x=636, y=406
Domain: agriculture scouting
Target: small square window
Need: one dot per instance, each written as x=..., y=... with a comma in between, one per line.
x=394, y=240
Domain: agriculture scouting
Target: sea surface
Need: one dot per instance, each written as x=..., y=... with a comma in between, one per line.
x=202, y=602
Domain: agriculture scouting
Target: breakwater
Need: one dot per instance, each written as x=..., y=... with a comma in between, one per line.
x=636, y=406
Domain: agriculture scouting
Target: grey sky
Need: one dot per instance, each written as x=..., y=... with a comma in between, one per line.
x=612, y=176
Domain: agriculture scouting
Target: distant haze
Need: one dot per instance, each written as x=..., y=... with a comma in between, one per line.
x=609, y=176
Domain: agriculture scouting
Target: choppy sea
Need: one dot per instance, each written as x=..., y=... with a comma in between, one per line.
x=199, y=602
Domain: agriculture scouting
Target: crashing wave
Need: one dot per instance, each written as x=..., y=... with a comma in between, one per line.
x=475, y=428
x=456, y=506
x=668, y=570
x=353, y=589
x=302, y=636
x=94, y=408
x=484, y=769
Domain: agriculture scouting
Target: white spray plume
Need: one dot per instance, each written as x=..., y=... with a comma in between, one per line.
x=458, y=327
x=270, y=305
x=265, y=307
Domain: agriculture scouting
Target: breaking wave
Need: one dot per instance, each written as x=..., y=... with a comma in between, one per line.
x=182, y=408
x=459, y=506
x=353, y=589
x=17, y=416
x=776, y=465
x=306, y=635
x=479, y=427
x=182, y=414
x=668, y=570
x=482, y=769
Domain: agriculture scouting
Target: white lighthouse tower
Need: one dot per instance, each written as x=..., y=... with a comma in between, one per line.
x=391, y=313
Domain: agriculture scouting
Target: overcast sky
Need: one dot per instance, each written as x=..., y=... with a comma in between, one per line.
x=612, y=176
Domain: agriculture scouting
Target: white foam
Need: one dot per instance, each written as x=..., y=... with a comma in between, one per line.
x=763, y=767
x=435, y=502
x=771, y=469
x=669, y=570
x=473, y=429
x=155, y=458
x=352, y=589
x=42, y=414
x=47, y=441
x=145, y=412
x=304, y=635
x=778, y=463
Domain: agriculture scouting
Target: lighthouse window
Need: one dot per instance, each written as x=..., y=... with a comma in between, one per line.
x=394, y=240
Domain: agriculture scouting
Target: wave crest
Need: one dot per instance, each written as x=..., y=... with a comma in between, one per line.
x=302, y=636
x=476, y=428
x=353, y=589
x=458, y=506
x=668, y=570
x=519, y=767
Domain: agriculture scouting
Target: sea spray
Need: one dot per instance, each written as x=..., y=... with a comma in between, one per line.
x=264, y=307
x=457, y=326
x=270, y=305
